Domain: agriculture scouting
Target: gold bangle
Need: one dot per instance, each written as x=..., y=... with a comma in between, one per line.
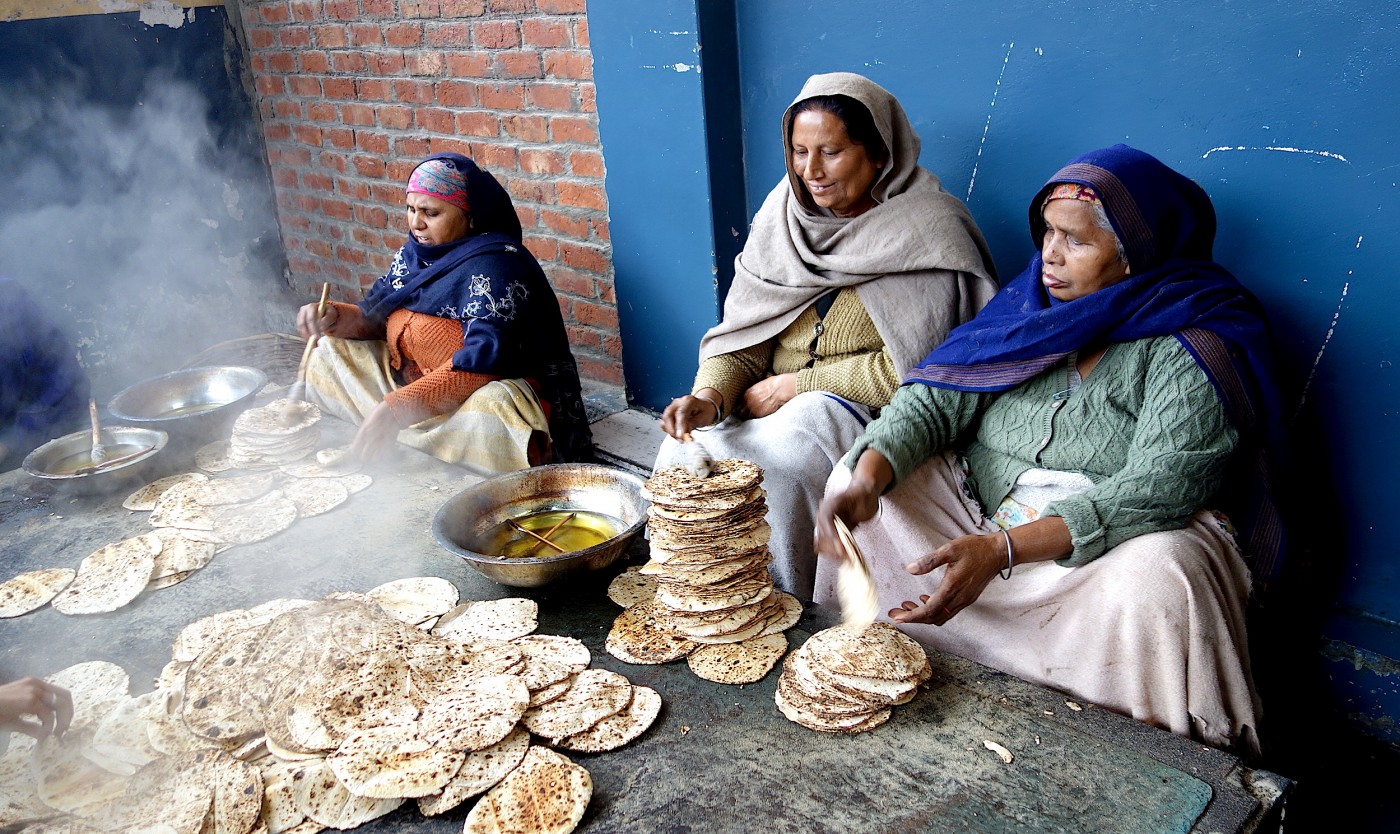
x=719, y=409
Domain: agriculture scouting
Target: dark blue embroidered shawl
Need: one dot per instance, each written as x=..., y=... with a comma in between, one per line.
x=1167, y=225
x=43, y=390
x=489, y=281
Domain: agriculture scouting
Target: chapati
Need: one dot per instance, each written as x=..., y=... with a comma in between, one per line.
x=415, y=600
x=546, y=794
x=619, y=729
x=640, y=635
x=255, y=520
x=178, y=506
x=482, y=769
x=497, y=619
x=32, y=590
x=144, y=499
x=745, y=662
x=237, y=489
x=213, y=457
x=110, y=577
x=393, y=761
x=120, y=744
x=594, y=695
x=320, y=795
x=313, y=496
x=631, y=587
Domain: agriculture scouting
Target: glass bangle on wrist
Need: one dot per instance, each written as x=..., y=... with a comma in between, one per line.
x=719, y=409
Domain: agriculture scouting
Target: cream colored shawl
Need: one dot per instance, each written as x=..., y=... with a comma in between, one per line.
x=917, y=259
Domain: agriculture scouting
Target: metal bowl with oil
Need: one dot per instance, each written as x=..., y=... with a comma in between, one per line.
x=190, y=404
x=61, y=460
x=608, y=511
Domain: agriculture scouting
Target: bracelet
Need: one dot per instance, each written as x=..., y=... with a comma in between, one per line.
x=719, y=409
x=1010, y=557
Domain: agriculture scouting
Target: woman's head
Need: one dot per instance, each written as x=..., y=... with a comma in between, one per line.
x=836, y=153
x=1080, y=253
x=448, y=198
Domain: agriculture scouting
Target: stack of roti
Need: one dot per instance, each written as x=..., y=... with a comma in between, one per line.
x=299, y=715
x=847, y=679
x=713, y=600
x=269, y=436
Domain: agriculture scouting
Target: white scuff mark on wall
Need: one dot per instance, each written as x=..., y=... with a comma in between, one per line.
x=1040, y=52
x=1359, y=238
x=162, y=13
x=659, y=32
x=1331, y=330
x=673, y=67
x=988, y=126
x=875, y=63
x=1328, y=154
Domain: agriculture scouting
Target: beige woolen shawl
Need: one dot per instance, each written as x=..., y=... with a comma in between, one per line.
x=917, y=259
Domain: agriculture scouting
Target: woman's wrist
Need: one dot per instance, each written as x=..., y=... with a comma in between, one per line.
x=714, y=401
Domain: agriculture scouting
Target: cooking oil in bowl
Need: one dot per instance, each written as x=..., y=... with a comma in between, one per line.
x=72, y=463
x=196, y=408
x=566, y=530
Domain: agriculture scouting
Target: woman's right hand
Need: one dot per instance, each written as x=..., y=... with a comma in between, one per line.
x=309, y=324
x=854, y=504
x=687, y=413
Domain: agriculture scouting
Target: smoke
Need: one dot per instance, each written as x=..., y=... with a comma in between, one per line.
x=141, y=233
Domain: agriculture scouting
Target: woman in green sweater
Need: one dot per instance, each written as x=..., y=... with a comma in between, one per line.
x=856, y=265
x=1069, y=440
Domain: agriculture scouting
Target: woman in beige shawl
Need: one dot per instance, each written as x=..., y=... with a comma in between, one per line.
x=855, y=267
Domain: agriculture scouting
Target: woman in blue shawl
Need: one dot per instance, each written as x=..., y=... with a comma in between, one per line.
x=460, y=349
x=1074, y=440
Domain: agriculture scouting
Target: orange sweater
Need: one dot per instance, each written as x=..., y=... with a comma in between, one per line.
x=420, y=349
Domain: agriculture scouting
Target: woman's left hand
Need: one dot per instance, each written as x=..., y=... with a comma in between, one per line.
x=768, y=395
x=50, y=705
x=972, y=562
x=377, y=434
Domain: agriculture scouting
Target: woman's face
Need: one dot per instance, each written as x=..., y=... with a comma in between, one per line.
x=838, y=172
x=433, y=222
x=1080, y=257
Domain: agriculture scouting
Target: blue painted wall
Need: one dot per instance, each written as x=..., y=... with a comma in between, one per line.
x=1286, y=113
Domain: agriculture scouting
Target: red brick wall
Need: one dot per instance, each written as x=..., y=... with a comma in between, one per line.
x=353, y=93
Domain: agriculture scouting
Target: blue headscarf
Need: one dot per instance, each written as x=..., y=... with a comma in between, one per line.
x=489, y=281
x=1166, y=224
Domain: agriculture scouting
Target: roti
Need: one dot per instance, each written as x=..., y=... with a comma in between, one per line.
x=255, y=520
x=482, y=769
x=594, y=695
x=546, y=794
x=144, y=499
x=393, y=761
x=475, y=718
x=745, y=662
x=110, y=577
x=320, y=795
x=641, y=635
x=497, y=619
x=313, y=496
x=32, y=590
x=631, y=587
x=616, y=730
x=415, y=600
x=213, y=457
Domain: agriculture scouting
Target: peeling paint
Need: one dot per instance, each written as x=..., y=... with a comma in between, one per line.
x=42, y=9
x=972, y=181
x=1331, y=330
x=163, y=13
x=1328, y=154
x=674, y=67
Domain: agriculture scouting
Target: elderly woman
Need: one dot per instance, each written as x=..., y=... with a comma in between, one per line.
x=460, y=349
x=857, y=264
x=1099, y=402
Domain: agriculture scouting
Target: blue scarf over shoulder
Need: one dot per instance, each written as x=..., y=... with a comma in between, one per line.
x=489, y=281
x=1167, y=226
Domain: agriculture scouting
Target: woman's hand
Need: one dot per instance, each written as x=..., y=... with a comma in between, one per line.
x=972, y=562
x=690, y=412
x=376, y=435
x=51, y=706
x=341, y=320
x=768, y=395
x=856, y=503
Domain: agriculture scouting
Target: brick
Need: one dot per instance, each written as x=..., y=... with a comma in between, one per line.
x=609, y=372
x=261, y=37
x=366, y=34
x=305, y=12
x=274, y=13
x=377, y=8
x=277, y=132
x=551, y=97
x=374, y=89
x=356, y=114
x=386, y=194
x=573, y=129
x=343, y=10
x=394, y=117
x=495, y=158
x=426, y=9
x=331, y=36
x=581, y=256
x=350, y=255
x=587, y=100
x=334, y=161
x=397, y=171
x=270, y=85
x=580, y=195
x=586, y=164
x=315, y=61
x=258, y=63
x=425, y=63
x=518, y=64
x=287, y=109
x=338, y=88
x=411, y=90
x=285, y=177
x=365, y=236
x=307, y=135
x=436, y=120
x=462, y=8
x=294, y=37
x=544, y=32
x=404, y=34
x=512, y=6
x=305, y=85
x=584, y=337
x=527, y=217
x=533, y=191
x=541, y=162
x=601, y=229
x=478, y=123
x=342, y=138
x=321, y=111
x=612, y=345
x=469, y=65
x=496, y=34
x=317, y=182
x=561, y=63
x=350, y=62
x=501, y=96
x=456, y=94
x=338, y=209
x=526, y=128
x=574, y=282
x=410, y=147
x=388, y=63
x=448, y=34
x=354, y=189
x=368, y=166
x=267, y=110
x=374, y=216
x=284, y=62
x=581, y=33
x=563, y=6
x=544, y=249
x=564, y=224
x=597, y=315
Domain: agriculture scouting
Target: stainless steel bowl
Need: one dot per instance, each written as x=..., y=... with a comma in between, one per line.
x=463, y=523
x=193, y=403
x=53, y=461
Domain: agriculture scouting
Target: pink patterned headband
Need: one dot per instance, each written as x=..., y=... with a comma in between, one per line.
x=441, y=179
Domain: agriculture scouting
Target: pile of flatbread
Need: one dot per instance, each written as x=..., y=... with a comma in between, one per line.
x=847, y=679
x=195, y=518
x=298, y=715
x=713, y=600
x=269, y=436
